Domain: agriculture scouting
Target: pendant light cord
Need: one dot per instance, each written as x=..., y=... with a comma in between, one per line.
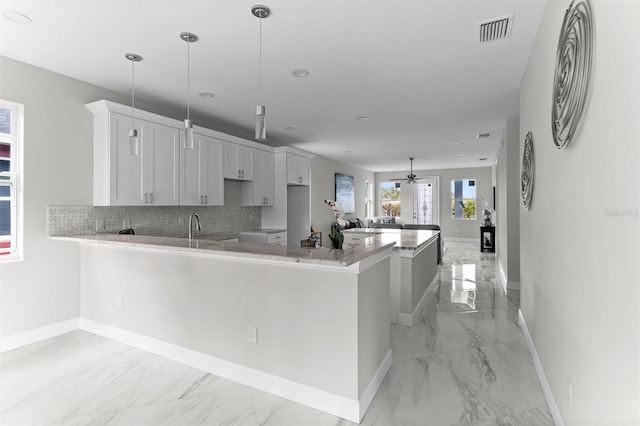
x=188, y=76
x=133, y=93
x=261, y=94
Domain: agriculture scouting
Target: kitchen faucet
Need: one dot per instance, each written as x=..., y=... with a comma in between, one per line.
x=194, y=215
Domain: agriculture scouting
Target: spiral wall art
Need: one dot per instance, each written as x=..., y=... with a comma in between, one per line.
x=573, y=71
x=528, y=167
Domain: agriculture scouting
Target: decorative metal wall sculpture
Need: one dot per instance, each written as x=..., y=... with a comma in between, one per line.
x=573, y=71
x=528, y=167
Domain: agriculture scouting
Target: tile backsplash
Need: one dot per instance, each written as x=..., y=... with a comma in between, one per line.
x=147, y=220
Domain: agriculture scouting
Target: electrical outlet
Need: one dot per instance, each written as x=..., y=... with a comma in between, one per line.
x=99, y=225
x=252, y=334
x=126, y=223
x=180, y=220
x=120, y=303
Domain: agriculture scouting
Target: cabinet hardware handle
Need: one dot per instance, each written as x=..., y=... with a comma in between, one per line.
x=206, y=199
x=151, y=198
x=145, y=198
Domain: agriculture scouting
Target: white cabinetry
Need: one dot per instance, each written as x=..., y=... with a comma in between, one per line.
x=201, y=173
x=260, y=192
x=151, y=177
x=238, y=161
x=298, y=169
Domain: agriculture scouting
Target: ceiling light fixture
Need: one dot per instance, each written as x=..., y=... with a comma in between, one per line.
x=362, y=118
x=261, y=12
x=133, y=132
x=17, y=17
x=300, y=73
x=206, y=95
x=188, y=125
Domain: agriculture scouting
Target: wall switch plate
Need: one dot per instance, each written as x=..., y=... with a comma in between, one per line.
x=252, y=334
x=126, y=223
x=180, y=221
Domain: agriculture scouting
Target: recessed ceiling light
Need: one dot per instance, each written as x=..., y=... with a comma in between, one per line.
x=17, y=17
x=483, y=135
x=290, y=128
x=482, y=158
x=207, y=95
x=459, y=155
x=454, y=143
x=348, y=152
x=300, y=73
x=362, y=118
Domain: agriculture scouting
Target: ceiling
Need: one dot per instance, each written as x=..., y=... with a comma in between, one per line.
x=415, y=69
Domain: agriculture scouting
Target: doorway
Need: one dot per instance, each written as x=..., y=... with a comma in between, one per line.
x=425, y=201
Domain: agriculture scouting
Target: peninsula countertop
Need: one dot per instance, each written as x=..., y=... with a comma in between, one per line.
x=320, y=256
x=405, y=239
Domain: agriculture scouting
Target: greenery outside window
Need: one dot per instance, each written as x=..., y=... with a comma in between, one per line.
x=463, y=199
x=10, y=182
x=390, y=199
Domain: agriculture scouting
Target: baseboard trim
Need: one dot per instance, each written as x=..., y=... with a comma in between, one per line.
x=548, y=394
x=408, y=320
x=340, y=406
x=370, y=392
x=28, y=337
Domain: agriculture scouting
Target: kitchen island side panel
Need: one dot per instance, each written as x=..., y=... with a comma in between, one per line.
x=307, y=320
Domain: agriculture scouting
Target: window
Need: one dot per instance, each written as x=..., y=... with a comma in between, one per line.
x=390, y=199
x=463, y=199
x=10, y=185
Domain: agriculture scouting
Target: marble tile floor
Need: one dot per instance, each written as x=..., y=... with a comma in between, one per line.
x=465, y=362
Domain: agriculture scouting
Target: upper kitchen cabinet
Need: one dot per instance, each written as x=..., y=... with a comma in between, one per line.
x=238, y=161
x=298, y=169
x=201, y=180
x=260, y=191
x=145, y=174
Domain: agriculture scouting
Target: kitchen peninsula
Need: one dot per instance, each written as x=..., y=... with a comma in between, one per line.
x=414, y=263
x=307, y=324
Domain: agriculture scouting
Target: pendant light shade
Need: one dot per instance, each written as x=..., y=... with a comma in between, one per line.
x=133, y=132
x=261, y=12
x=261, y=122
x=188, y=125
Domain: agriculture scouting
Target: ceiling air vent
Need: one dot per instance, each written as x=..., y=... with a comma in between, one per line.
x=495, y=29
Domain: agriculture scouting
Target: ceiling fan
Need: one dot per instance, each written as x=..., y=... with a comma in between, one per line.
x=411, y=178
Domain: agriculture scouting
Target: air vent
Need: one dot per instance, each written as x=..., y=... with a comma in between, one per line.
x=495, y=29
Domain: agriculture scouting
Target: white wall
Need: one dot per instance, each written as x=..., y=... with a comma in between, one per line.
x=58, y=157
x=451, y=228
x=580, y=251
x=323, y=172
x=507, y=215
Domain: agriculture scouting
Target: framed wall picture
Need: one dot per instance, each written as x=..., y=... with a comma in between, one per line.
x=346, y=193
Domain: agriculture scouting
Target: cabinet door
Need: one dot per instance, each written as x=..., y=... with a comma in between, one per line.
x=298, y=170
x=267, y=178
x=231, y=170
x=163, y=163
x=211, y=181
x=246, y=162
x=190, y=170
x=125, y=170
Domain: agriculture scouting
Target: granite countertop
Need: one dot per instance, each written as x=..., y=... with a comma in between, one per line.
x=264, y=231
x=351, y=254
x=406, y=239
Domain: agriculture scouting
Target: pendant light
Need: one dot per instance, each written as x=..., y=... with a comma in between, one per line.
x=133, y=132
x=261, y=12
x=188, y=125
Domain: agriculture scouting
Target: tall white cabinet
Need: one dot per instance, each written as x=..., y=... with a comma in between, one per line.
x=260, y=191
